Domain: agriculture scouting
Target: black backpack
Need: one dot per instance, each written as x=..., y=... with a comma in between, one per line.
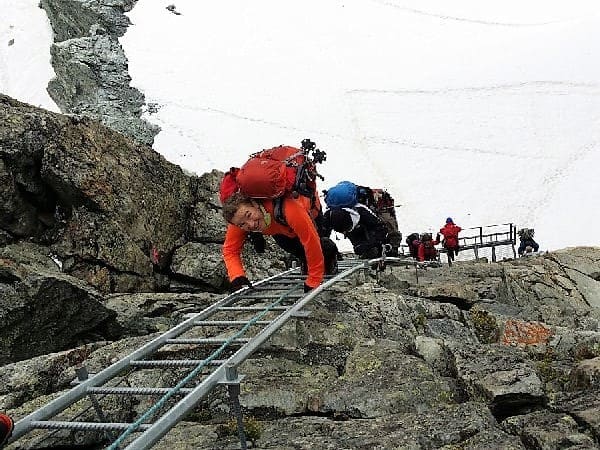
x=526, y=233
x=412, y=237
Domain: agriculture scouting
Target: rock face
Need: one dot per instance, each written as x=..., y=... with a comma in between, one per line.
x=114, y=212
x=92, y=78
x=385, y=362
x=43, y=310
x=108, y=215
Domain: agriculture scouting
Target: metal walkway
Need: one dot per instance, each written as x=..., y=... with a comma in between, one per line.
x=223, y=336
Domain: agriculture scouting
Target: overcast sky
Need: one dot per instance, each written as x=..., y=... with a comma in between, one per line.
x=485, y=112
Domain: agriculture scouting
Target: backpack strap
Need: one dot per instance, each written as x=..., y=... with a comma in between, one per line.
x=278, y=211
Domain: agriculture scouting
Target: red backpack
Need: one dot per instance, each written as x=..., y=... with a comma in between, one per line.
x=276, y=173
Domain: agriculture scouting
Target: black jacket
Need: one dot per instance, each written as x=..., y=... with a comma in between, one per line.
x=367, y=236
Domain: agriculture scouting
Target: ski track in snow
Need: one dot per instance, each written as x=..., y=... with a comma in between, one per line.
x=233, y=115
x=471, y=150
x=467, y=20
x=582, y=88
x=552, y=181
x=591, y=89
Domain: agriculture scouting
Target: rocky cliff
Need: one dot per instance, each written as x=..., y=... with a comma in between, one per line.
x=83, y=203
x=503, y=355
x=92, y=78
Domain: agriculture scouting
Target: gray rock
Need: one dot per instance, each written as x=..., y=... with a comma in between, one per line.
x=545, y=430
x=92, y=81
x=43, y=310
x=113, y=210
x=74, y=18
x=498, y=375
x=92, y=77
x=586, y=374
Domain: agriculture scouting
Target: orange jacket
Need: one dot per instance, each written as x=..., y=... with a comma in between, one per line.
x=300, y=224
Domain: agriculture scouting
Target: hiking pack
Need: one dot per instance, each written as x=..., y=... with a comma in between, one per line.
x=346, y=194
x=526, y=233
x=342, y=195
x=276, y=173
x=413, y=243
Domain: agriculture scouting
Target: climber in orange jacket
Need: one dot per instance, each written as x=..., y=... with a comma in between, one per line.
x=299, y=236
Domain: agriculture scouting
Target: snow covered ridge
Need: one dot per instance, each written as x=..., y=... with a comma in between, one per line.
x=91, y=68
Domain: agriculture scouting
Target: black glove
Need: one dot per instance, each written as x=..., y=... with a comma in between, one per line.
x=239, y=283
x=307, y=288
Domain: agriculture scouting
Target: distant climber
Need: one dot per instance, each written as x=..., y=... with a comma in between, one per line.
x=450, y=242
x=427, y=250
x=527, y=244
x=367, y=232
x=413, y=241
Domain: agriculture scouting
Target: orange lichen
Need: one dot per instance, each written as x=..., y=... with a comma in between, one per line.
x=517, y=332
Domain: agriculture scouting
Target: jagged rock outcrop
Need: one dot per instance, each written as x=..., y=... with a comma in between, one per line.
x=72, y=19
x=92, y=78
x=114, y=212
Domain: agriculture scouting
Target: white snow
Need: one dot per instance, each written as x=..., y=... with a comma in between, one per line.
x=485, y=112
x=25, y=38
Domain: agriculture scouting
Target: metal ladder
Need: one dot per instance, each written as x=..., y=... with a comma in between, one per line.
x=225, y=334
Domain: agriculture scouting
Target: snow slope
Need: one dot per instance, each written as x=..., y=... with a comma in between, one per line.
x=488, y=113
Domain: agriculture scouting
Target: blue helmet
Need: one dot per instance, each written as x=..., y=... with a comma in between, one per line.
x=449, y=220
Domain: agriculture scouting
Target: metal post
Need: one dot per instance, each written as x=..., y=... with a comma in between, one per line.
x=417, y=272
x=493, y=253
x=233, y=389
x=82, y=375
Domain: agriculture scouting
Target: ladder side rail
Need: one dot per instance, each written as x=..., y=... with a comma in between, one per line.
x=75, y=394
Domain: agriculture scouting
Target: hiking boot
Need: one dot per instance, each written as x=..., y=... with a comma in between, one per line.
x=6, y=428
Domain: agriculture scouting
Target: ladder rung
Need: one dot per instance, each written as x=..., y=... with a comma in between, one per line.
x=58, y=425
x=230, y=322
x=135, y=390
x=175, y=362
x=251, y=308
x=208, y=341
